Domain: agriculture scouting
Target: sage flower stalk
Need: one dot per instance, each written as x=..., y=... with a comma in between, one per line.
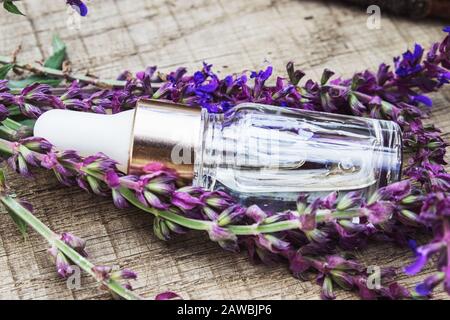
x=69, y=250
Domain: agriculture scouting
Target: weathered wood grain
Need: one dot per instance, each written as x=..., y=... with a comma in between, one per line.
x=233, y=35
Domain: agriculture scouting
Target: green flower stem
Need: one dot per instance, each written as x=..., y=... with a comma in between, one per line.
x=40, y=69
x=169, y=215
x=203, y=225
x=53, y=239
x=12, y=130
x=7, y=133
x=12, y=124
x=6, y=147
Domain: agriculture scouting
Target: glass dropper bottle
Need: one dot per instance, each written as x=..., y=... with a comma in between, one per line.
x=258, y=153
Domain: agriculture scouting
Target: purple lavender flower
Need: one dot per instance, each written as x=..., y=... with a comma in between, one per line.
x=168, y=296
x=260, y=78
x=78, y=6
x=154, y=201
x=63, y=266
x=163, y=229
x=226, y=239
x=36, y=144
x=112, y=180
x=125, y=274
x=75, y=243
x=298, y=264
x=217, y=199
x=426, y=287
x=102, y=273
x=145, y=77
x=409, y=64
x=4, y=112
x=378, y=212
x=220, y=234
x=272, y=243
x=396, y=191
x=327, y=289
x=348, y=201
x=184, y=200
x=330, y=201
x=231, y=215
x=423, y=253
x=256, y=214
x=302, y=203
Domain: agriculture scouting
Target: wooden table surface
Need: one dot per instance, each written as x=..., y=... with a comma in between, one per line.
x=233, y=35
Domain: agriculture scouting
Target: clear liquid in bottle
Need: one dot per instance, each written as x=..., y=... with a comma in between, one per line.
x=268, y=155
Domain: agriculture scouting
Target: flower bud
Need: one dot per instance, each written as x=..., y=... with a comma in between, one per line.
x=230, y=214
x=255, y=213
x=343, y=279
x=348, y=201
x=184, y=200
x=125, y=274
x=102, y=272
x=75, y=243
x=160, y=229
x=327, y=289
x=272, y=243
x=217, y=199
x=63, y=266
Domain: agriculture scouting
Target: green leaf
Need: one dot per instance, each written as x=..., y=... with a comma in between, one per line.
x=22, y=225
x=55, y=61
x=18, y=84
x=4, y=70
x=11, y=7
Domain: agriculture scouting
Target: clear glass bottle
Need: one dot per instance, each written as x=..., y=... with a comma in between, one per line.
x=268, y=155
x=258, y=153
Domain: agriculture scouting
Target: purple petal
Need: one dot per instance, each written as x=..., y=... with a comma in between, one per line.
x=255, y=213
x=185, y=201
x=112, y=179
x=330, y=200
x=417, y=266
x=78, y=6
x=423, y=99
x=168, y=296
x=154, y=201
x=119, y=201
x=217, y=233
x=128, y=274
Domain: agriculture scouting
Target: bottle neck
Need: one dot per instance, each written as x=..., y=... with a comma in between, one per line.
x=207, y=156
x=166, y=133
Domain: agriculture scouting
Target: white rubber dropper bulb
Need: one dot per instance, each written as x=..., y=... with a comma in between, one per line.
x=88, y=133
